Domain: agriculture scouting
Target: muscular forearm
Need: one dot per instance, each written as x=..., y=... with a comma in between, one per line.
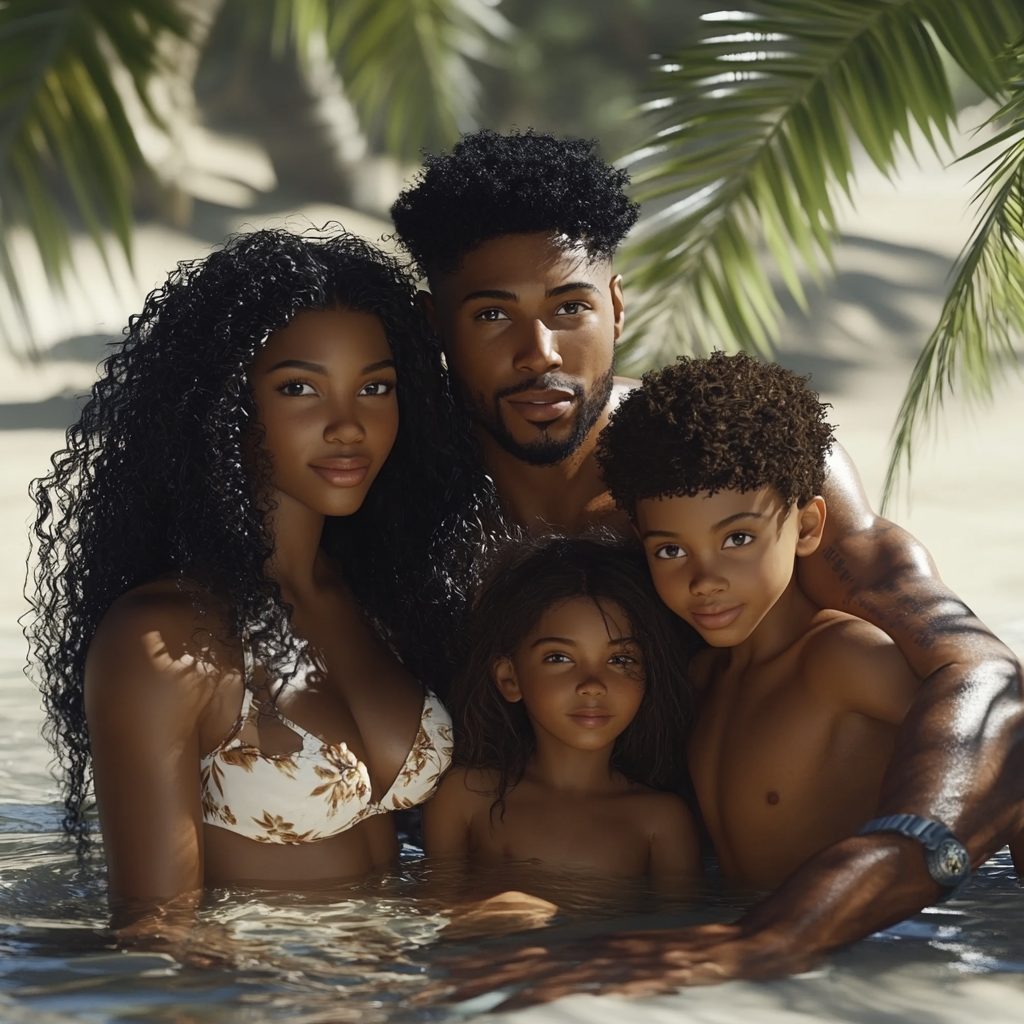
x=850, y=890
x=959, y=755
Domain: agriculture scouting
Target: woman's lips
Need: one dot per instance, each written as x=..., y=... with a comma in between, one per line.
x=541, y=406
x=717, y=618
x=343, y=472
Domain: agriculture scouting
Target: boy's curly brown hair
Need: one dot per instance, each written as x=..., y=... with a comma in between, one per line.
x=719, y=423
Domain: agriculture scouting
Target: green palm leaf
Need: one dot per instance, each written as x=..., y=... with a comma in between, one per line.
x=752, y=149
x=983, y=315
x=406, y=64
x=63, y=128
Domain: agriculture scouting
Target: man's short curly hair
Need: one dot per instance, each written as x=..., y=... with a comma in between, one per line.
x=720, y=423
x=492, y=185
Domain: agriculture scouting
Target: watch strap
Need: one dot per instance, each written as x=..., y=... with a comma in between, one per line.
x=931, y=835
x=927, y=832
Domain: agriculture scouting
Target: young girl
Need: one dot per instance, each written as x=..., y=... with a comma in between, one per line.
x=570, y=714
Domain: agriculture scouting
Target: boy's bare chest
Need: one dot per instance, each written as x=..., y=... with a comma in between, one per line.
x=780, y=771
x=596, y=835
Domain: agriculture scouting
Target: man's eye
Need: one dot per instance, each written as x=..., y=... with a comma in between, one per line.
x=670, y=551
x=738, y=540
x=377, y=387
x=492, y=315
x=297, y=389
x=572, y=308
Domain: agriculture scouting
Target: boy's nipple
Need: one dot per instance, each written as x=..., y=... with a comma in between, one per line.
x=772, y=797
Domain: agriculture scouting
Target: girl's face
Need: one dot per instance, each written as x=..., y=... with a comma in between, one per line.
x=325, y=389
x=579, y=673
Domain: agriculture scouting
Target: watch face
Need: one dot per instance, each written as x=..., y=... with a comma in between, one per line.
x=949, y=862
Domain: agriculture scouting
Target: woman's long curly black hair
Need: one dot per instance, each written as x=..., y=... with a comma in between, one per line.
x=524, y=582
x=154, y=478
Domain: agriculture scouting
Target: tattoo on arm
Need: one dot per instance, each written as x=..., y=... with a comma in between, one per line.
x=896, y=612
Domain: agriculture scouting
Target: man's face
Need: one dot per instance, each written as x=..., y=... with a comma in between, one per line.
x=529, y=326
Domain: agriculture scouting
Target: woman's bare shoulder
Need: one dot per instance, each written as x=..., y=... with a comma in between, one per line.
x=162, y=631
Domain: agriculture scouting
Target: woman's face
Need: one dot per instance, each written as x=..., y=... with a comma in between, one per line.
x=325, y=389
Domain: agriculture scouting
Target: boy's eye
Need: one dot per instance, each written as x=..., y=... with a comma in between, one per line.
x=297, y=389
x=492, y=315
x=670, y=551
x=572, y=308
x=738, y=540
x=377, y=387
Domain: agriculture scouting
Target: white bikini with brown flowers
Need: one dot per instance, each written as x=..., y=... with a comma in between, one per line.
x=319, y=790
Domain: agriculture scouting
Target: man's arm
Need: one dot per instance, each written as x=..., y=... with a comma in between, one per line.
x=959, y=755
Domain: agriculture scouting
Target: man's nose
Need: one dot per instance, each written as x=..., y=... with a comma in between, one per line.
x=539, y=353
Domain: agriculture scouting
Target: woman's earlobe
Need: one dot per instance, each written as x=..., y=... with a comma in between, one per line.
x=504, y=675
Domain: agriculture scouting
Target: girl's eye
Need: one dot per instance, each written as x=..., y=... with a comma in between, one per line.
x=377, y=387
x=670, y=551
x=492, y=315
x=738, y=540
x=557, y=658
x=572, y=308
x=297, y=389
x=622, y=659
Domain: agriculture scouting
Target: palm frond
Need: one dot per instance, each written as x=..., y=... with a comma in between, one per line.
x=406, y=64
x=982, y=319
x=751, y=150
x=64, y=136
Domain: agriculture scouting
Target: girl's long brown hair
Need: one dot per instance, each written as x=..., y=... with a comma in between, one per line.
x=527, y=580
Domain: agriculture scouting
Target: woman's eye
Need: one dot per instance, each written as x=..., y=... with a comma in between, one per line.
x=738, y=540
x=572, y=308
x=670, y=551
x=492, y=315
x=297, y=389
x=377, y=387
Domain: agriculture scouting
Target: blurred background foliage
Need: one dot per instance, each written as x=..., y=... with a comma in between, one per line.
x=740, y=127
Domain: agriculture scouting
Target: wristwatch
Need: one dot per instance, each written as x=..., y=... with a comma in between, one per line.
x=948, y=862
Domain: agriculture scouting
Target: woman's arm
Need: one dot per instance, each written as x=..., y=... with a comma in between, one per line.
x=147, y=683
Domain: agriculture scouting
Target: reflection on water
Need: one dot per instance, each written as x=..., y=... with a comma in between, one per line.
x=363, y=954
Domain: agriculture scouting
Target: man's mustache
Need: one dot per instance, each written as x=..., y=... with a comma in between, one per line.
x=547, y=381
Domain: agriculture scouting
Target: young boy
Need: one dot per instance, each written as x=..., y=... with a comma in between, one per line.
x=720, y=464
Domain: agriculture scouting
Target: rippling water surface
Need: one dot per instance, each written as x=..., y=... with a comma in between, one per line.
x=364, y=954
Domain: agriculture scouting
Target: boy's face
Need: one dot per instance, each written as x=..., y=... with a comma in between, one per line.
x=722, y=561
x=529, y=328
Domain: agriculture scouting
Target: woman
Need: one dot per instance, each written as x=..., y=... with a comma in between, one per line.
x=269, y=493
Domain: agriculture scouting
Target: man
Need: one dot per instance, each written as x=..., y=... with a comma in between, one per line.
x=515, y=236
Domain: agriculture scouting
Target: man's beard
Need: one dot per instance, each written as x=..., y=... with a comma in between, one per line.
x=545, y=451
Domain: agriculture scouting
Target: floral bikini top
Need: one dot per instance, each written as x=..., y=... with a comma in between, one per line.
x=319, y=790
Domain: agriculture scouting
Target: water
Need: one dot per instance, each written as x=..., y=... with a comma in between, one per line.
x=366, y=954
